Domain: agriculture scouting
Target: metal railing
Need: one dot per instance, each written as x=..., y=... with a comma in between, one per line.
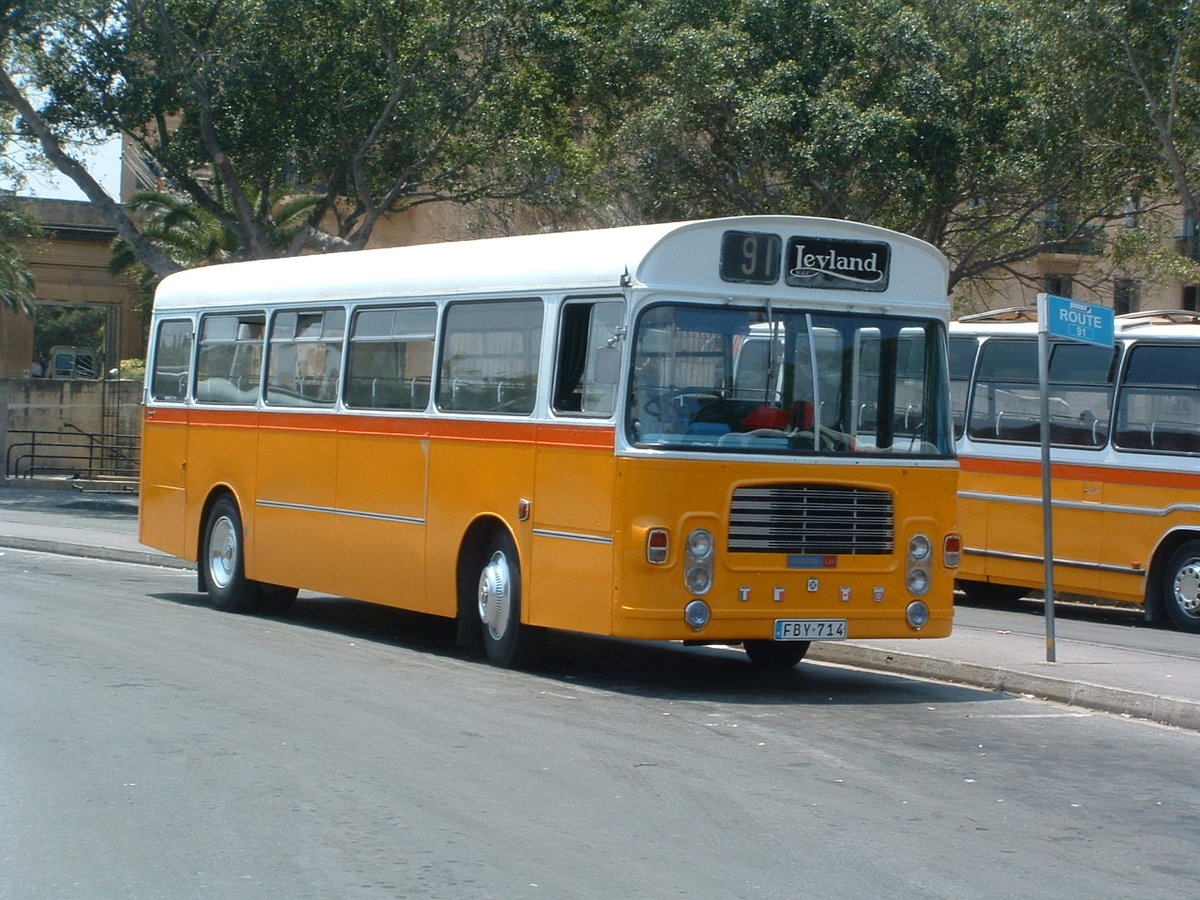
x=72, y=454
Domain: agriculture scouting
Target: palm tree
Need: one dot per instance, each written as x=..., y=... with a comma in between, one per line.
x=16, y=281
x=193, y=236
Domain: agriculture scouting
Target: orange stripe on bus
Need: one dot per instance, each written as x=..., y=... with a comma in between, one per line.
x=599, y=437
x=1108, y=474
x=603, y=438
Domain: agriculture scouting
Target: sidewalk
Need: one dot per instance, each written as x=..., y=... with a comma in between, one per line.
x=1144, y=683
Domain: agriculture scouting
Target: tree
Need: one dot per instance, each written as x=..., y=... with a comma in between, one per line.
x=1143, y=61
x=191, y=236
x=374, y=106
x=17, y=232
x=952, y=121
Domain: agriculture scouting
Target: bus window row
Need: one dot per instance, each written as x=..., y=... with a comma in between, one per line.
x=1148, y=401
x=386, y=359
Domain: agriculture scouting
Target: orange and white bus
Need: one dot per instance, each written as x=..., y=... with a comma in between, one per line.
x=1125, y=452
x=722, y=431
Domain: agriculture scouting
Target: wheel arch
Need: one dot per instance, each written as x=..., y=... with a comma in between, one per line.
x=215, y=493
x=475, y=542
x=1156, y=610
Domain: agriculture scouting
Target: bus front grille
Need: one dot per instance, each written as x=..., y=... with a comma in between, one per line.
x=810, y=518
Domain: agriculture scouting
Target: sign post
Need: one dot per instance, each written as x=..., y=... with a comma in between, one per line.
x=1071, y=320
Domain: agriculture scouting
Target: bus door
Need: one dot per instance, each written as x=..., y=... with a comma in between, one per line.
x=163, y=512
x=575, y=474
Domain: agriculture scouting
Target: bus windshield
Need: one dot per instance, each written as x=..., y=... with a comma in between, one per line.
x=794, y=382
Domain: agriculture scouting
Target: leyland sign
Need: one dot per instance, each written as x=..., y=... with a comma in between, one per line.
x=832, y=263
x=1076, y=320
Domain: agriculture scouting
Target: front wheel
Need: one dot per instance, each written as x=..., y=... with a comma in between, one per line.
x=223, y=558
x=1181, y=587
x=775, y=656
x=508, y=642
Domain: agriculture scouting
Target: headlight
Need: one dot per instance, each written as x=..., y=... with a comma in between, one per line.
x=698, y=570
x=700, y=544
x=920, y=548
x=699, y=580
x=697, y=614
x=917, y=614
x=918, y=581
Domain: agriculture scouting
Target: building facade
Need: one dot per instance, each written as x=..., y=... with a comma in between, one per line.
x=70, y=268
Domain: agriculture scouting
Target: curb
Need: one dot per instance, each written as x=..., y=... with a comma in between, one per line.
x=111, y=554
x=1160, y=708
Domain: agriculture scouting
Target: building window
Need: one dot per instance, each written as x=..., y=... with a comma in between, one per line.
x=1058, y=285
x=1191, y=297
x=1125, y=296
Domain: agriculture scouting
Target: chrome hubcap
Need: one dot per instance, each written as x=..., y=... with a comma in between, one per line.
x=1187, y=588
x=222, y=552
x=495, y=595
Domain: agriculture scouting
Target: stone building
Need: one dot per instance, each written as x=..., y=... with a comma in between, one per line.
x=70, y=267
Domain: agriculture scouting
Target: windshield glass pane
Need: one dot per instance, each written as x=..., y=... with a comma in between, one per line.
x=754, y=380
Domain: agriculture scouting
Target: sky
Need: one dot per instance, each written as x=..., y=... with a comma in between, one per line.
x=103, y=162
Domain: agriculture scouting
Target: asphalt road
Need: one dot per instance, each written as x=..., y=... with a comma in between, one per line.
x=151, y=747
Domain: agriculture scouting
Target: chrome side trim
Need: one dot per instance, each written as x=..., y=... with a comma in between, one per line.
x=335, y=511
x=1079, y=504
x=1058, y=561
x=572, y=536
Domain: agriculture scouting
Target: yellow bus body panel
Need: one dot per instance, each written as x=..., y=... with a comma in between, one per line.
x=379, y=511
x=752, y=590
x=1105, y=541
x=162, y=508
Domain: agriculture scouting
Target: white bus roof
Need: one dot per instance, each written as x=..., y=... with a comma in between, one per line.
x=663, y=256
x=1170, y=324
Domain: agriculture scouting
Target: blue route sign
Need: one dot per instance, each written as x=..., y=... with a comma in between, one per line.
x=1075, y=320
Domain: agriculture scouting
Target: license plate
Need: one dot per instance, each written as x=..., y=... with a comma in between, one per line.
x=810, y=629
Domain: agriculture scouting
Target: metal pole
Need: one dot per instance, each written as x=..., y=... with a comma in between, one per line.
x=1047, y=492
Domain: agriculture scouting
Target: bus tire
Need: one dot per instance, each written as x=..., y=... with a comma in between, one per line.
x=1181, y=587
x=224, y=561
x=990, y=592
x=508, y=642
x=775, y=656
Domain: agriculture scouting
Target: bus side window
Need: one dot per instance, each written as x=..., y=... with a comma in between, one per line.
x=229, y=361
x=962, y=364
x=1160, y=400
x=1006, y=405
x=172, y=361
x=306, y=357
x=391, y=358
x=489, y=357
x=588, y=357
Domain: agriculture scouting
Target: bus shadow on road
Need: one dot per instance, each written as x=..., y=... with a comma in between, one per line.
x=658, y=669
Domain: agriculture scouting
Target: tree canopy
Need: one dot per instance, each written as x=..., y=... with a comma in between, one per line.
x=995, y=129
x=373, y=106
x=961, y=122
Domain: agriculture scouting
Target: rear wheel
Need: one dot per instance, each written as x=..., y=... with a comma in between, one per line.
x=775, y=656
x=223, y=558
x=507, y=641
x=1181, y=587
